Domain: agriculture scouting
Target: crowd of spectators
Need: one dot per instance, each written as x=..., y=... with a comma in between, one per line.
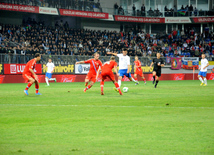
x=33, y=37
x=86, y=5
x=173, y=12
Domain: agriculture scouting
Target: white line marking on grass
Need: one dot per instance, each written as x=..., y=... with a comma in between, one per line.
x=102, y=106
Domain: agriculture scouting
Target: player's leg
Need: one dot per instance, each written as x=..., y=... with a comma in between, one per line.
x=86, y=80
x=30, y=82
x=142, y=76
x=91, y=78
x=117, y=87
x=102, y=83
x=205, y=79
x=119, y=80
x=37, y=87
x=158, y=73
x=47, y=78
x=154, y=74
x=200, y=78
x=50, y=78
x=135, y=76
x=131, y=78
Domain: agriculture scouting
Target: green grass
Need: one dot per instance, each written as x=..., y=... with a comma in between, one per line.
x=175, y=118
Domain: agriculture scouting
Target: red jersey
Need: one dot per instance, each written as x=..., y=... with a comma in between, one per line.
x=30, y=65
x=138, y=63
x=94, y=65
x=108, y=66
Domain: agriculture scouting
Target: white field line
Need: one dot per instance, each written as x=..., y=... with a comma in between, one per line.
x=102, y=106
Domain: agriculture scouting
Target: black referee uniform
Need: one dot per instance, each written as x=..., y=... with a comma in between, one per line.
x=157, y=68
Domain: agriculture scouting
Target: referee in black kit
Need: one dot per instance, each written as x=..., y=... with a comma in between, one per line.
x=158, y=63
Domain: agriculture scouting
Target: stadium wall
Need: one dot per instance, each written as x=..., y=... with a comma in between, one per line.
x=81, y=78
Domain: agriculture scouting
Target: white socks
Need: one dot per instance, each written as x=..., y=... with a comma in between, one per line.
x=201, y=79
x=205, y=81
x=46, y=79
x=133, y=79
x=52, y=79
x=119, y=83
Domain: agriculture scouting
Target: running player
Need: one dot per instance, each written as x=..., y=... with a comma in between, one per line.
x=158, y=63
x=124, y=66
x=203, y=70
x=30, y=75
x=94, y=66
x=107, y=72
x=138, y=70
x=49, y=72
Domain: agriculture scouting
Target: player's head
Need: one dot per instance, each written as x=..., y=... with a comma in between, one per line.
x=112, y=58
x=38, y=56
x=203, y=56
x=158, y=55
x=125, y=51
x=136, y=58
x=96, y=56
x=49, y=60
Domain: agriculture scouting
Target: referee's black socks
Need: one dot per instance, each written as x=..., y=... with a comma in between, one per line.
x=153, y=78
x=156, y=83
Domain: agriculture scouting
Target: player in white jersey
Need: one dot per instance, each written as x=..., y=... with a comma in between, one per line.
x=203, y=70
x=50, y=65
x=124, y=66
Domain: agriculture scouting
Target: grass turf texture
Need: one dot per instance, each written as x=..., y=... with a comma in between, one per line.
x=175, y=118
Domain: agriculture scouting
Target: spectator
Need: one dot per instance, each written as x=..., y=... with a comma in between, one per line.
x=116, y=9
x=143, y=10
x=133, y=10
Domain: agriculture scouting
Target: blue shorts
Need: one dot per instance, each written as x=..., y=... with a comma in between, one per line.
x=204, y=74
x=49, y=75
x=123, y=72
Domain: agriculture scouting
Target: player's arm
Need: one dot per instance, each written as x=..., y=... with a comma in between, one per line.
x=115, y=69
x=151, y=64
x=206, y=65
x=80, y=62
x=53, y=69
x=34, y=74
x=115, y=54
x=162, y=64
x=44, y=67
x=98, y=72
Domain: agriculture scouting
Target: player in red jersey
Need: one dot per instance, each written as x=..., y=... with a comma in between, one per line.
x=30, y=75
x=107, y=72
x=138, y=70
x=94, y=66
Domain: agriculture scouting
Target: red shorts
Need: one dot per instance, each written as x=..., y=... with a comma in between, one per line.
x=108, y=74
x=139, y=71
x=91, y=77
x=27, y=76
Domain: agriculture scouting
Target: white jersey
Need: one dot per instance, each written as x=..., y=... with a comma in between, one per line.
x=124, y=61
x=204, y=63
x=50, y=67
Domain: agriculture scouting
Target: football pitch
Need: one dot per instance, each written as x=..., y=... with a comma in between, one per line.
x=175, y=118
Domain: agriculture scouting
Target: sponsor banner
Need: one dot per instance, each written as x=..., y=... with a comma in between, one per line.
x=190, y=62
x=175, y=63
x=178, y=76
x=49, y=11
x=138, y=19
x=1, y=69
x=82, y=68
x=202, y=19
x=20, y=8
x=87, y=14
x=19, y=68
x=177, y=20
x=61, y=69
x=81, y=78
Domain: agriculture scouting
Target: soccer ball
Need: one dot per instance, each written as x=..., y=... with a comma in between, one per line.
x=125, y=89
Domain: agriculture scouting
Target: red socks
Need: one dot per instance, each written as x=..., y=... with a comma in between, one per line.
x=118, y=87
x=101, y=85
x=88, y=87
x=37, y=87
x=28, y=85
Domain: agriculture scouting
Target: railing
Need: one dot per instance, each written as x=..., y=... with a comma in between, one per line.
x=96, y=7
x=65, y=59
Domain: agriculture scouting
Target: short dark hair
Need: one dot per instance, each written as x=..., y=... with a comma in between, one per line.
x=125, y=49
x=112, y=58
x=37, y=55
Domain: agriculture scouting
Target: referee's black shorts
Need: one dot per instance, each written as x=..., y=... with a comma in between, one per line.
x=158, y=72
